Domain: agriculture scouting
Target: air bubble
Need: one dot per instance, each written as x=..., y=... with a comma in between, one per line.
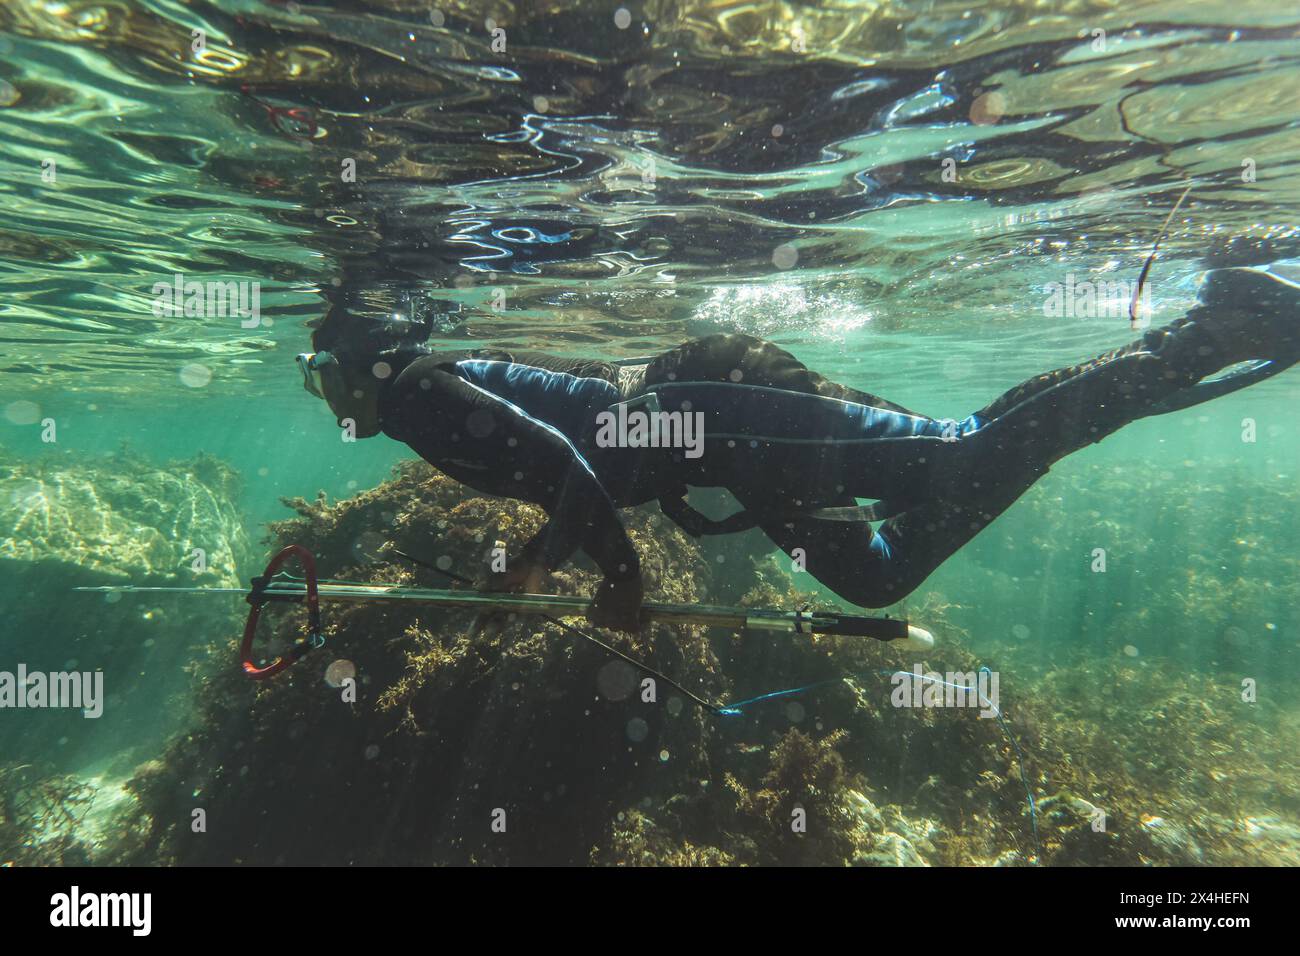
x=23, y=413
x=616, y=680
x=785, y=256
x=637, y=730
x=340, y=671
x=195, y=376
x=1235, y=636
x=988, y=108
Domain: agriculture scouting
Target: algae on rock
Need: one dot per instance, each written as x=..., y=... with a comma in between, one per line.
x=527, y=746
x=67, y=521
x=449, y=732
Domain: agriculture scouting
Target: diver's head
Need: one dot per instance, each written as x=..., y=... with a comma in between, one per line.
x=352, y=392
x=366, y=339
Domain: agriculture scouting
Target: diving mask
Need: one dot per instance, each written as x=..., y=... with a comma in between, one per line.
x=311, y=363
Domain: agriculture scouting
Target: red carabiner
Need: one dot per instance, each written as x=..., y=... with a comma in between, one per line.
x=257, y=601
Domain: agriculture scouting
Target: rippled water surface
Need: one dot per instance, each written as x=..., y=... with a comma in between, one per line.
x=777, y=168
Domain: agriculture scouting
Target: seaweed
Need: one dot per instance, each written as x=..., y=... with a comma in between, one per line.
x=40, y=811
x=524, y=746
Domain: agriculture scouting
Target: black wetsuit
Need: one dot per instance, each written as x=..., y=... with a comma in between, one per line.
x=794, y=448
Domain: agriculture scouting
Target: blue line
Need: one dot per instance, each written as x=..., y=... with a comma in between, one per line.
x=1020, y=757
x=734, y=710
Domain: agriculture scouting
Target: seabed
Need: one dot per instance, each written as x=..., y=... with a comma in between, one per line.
x=529, y=747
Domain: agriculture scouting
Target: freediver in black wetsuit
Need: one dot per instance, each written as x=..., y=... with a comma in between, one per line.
x=794, y=448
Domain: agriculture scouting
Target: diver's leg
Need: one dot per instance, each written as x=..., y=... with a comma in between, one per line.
x=994, y=458
x=901, y=459
x=1003, y=449
x=876, y=568
x=1242, y=314
x=844, y=556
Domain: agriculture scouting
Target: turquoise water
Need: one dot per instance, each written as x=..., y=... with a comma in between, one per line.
x=888, y=190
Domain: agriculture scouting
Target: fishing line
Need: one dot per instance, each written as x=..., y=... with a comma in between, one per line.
x=1020, y=756
x=1146, y=268
x=735, y=710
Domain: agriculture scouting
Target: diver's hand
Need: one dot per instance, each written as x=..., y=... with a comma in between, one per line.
x=525, y=577
x=617, y=605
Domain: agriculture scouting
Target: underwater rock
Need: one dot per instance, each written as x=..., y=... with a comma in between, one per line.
x=117, y=520
x=889, y=838
x=1273, y=841
x=1067, y=811
x=636, y=840
x=39, y=813
x=49, y=818
x=1005, y=858
x=1173, y=841
x=413, y=740
x=890, y=849
x=68, y=521
x=507, y=747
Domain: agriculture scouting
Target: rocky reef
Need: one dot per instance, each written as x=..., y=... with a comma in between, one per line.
x=49, y=818
x=412, y=738
x=68, y=521
x=448, y=732
x=120, y=519
x=526, y=746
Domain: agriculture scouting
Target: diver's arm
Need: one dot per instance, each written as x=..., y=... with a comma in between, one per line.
x=582, y=516
x=446, y=419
